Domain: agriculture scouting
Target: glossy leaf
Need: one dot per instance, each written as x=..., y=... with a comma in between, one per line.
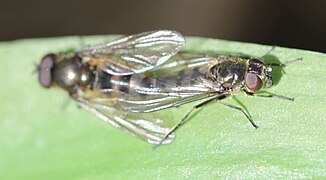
x=43, y=134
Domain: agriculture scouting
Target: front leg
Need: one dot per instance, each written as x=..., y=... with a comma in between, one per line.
x=269, y=96
x=284, y=64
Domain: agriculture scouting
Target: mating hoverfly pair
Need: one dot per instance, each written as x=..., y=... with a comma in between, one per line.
x=122, y=81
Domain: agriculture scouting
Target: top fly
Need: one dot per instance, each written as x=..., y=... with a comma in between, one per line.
x=123, y=80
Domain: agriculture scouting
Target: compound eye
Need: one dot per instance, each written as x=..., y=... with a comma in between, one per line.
x=255, y=61
x=253, y=82
x=44, y=70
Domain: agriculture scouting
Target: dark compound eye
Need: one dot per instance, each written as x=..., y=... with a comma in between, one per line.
x=253, y=82
x=44, y=70
x=255, y=66
x=255, y=61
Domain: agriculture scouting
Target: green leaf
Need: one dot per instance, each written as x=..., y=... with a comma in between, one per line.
x=43, y=134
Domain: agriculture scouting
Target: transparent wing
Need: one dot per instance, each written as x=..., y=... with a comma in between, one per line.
x=142, y=126
x=168, y=91
x=136, y=53
x=185, y=60
x=160, y=103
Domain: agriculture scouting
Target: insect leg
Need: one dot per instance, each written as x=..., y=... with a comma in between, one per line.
x=268, y=52
x=187, y=115
x=269, y=96
x=284, y=64
x=239, y=109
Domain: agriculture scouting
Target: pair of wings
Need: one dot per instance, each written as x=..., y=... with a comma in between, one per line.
x=137, y=54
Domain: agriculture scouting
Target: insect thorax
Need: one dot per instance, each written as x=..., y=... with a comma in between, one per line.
x=229, y=73
x=71, y=74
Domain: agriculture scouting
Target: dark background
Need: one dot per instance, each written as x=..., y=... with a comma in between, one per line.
x=299, y=24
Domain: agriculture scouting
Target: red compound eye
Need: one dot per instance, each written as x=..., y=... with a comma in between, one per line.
x=253, y=82
x=44, y=70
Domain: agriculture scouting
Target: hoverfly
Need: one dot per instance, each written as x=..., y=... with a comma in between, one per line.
x=123, y=80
